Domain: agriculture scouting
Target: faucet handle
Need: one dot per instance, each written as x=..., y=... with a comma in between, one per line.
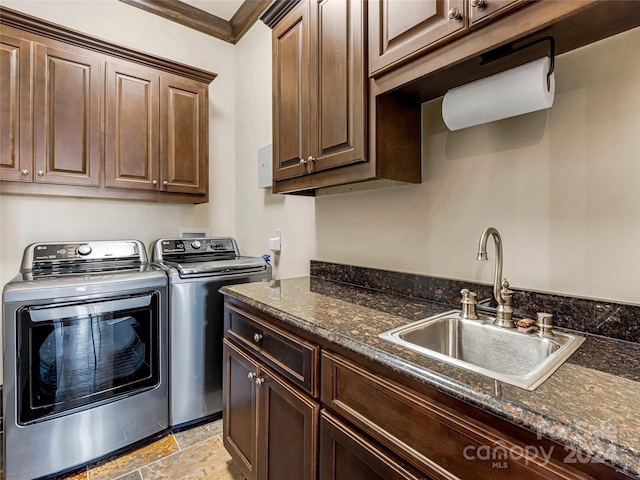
x=469, y=304
x=505, y=292
x=545, y=324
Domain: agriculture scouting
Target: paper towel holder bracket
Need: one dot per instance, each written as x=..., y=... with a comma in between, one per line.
x=506, y=50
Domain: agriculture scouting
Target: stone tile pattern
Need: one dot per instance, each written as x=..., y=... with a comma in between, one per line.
x=604, y=371
x=197, y=453
x=598, y=317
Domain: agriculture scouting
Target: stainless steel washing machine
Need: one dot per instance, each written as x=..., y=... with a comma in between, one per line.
x=197, y=268
x=85, y=356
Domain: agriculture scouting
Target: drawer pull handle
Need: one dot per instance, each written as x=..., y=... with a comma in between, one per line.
x=251, y=376
x=259, y=381
x=257, y=337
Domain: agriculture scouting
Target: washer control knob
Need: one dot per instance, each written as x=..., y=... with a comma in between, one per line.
x=196, y=244
x=84, y=249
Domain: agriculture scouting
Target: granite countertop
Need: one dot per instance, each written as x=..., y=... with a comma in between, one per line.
x=590, y=403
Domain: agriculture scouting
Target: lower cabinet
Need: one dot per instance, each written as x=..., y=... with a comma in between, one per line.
x=240, y=413
x=345, y=454
x=370, y=427
x=270, y=428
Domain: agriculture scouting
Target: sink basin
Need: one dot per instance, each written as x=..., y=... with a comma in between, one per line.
x=520, y=359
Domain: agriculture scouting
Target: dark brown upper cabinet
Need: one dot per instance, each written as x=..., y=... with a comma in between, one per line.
x=16, y=159
x=424, y=69
x=322, y=119
x=156, y=131
x=319, y=88
x=400, y=29
x=107, y=121
x=291, y=95
x=132, y=143
x=60, y=143
x=184, y=133
x=66, y=103
x=417, y=51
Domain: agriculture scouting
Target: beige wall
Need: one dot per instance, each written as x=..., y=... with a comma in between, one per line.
x=562, y=186
x=259, y=212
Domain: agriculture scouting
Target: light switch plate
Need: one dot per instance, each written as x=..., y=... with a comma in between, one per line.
x=265, y=173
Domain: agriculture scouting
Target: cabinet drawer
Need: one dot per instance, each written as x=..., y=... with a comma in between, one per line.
x=344, y=453
x=436, y=439
x=290, y=356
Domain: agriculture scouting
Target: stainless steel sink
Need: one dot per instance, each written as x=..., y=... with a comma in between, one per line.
x=521, y=359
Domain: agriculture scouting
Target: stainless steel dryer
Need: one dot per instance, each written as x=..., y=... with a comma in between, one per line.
x=85, y=370
x=197, y=268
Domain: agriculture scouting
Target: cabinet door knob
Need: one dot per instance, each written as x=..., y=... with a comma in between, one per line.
x=165, y=183
x=478, y=3
x=40, y=173
x=310, y=159
x=455, y=13
x=154, y=182
x=259, y=381
x=251, y=376
x=303, y=161
x=257, y=337
x=25, y=172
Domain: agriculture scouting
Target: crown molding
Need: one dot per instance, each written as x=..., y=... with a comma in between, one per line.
x=43, y=28
x=277, y=10
x=230, y=31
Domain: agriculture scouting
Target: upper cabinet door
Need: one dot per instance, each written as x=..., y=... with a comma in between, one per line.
x=184, y=133
x=339, y=138
x=400, y=28
x=16, y=159
x=319, y=90
x=291, y=95
x=132, y=132
x=66, y=117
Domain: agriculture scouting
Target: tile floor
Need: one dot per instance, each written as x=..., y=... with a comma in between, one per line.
x=192, y=454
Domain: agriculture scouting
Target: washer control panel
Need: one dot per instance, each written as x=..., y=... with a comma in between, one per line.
x=171, y=248
x=59, y=258
x=89, y=250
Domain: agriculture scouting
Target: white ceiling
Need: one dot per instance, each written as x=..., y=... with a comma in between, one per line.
x=220, y=8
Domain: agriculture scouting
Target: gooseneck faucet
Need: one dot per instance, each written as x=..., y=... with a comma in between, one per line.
x=501, y=292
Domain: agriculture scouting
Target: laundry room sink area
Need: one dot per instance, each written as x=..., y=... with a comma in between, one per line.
x=521, y=359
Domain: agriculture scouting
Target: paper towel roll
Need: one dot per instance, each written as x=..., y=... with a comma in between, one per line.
x=513, y=92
